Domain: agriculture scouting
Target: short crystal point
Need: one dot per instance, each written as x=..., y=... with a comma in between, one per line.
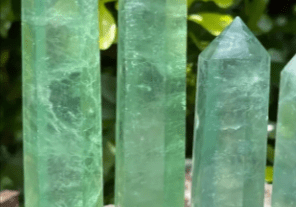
x=232, y=109
x=284, y=179
x=290, y=67
x=288, y=82
x=236, y=41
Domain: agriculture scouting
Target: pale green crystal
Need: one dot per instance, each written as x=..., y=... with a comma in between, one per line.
x=284, y=179
x=231, y=121
x=61, y=103
x=150, y=148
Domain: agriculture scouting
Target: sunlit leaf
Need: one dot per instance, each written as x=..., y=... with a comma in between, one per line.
x=268, y=174
x=107, y=27
x=223, y=3
x=213, y=22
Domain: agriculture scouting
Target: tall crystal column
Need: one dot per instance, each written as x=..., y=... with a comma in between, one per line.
x=150, y=149
x=61, y=103
x=231, y=121
x=284, y=178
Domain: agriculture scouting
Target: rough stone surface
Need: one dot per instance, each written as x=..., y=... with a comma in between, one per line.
x=61, y=103
x=151, y=103
x=231, y=121
x=284, y=192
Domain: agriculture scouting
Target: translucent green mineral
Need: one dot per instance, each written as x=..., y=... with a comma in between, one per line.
x=150, y=149
x=284, y=178
x=61, y=103
x=231, y=121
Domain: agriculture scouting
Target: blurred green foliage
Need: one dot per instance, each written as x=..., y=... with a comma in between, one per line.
x=273, y=21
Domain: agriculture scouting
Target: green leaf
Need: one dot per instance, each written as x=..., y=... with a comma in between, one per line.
x=6, y=18
x=290, y=27
x=6, y=183
x=255, y=9
x=199, y=43
x=108, y=87
x=108, y=154
x=6, y=10
x=107, y=27
x=270, y=153
x=189, y=2
x=223, y=3
x=4, y=56
x=13, y=171
x=276, y=69
x=213, y=22
x=269, y=174
x=108, y=110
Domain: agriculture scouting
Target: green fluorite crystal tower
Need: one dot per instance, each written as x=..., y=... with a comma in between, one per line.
x=150, y=149
x=231, y=121
x=61, y=103
x=284, y=179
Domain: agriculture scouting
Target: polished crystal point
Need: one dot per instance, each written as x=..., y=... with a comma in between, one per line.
x=231, y=121
x=61, y=103
x=150, y=143
x=236, y=41
x=284, y=178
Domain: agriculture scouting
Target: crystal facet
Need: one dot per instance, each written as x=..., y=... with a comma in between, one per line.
x=61, y=103
x=231, y=121
x=150, y=143
x=284, y=178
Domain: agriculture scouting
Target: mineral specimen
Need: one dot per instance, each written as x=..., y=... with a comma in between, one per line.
x=61, y=103
x=231, y=121
x=150, y=149
x=284, y=178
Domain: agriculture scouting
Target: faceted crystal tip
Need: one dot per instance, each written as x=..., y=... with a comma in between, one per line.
x=236, y=41
x=291, y=66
